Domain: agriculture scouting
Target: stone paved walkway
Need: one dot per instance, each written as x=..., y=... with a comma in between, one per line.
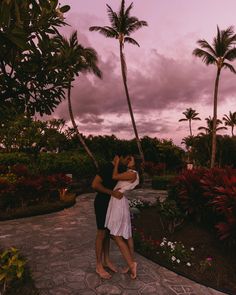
x=60, y=251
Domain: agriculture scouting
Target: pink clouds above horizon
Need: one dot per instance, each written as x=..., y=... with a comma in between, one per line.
x=163, y=77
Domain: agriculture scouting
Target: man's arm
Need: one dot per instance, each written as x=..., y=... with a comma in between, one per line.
x=98, y=186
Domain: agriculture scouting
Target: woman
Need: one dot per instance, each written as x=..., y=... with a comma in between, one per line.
x=118, y=219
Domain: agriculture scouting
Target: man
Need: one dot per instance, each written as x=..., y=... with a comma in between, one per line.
x=104, y=184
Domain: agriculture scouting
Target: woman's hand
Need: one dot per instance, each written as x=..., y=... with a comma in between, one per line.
x=116, y=160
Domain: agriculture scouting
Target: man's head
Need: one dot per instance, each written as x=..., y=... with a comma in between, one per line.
x=124, y=156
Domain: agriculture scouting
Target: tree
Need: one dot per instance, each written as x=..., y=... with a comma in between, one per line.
x=219, y=54
x=230, y=120
x=209, y=128
x=190, y=115
x=122, y=26
x=30, y=80
x=76, y=59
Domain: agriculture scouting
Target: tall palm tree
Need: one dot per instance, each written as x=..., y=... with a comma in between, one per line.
x=230, y=120
x=76, y=59
x=220, y=53
x=190, y=115
x=122, y=25
x=209, y=128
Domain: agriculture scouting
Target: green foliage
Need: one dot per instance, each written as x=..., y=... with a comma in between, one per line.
x=162, y=182
x=31, y=79
x=12, y=267
x=170, y=215
x=10, y=159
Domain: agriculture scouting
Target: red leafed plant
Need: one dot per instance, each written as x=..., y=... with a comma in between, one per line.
x=188, y=193
x=225, y=203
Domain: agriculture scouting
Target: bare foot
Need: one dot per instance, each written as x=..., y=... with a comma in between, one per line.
x=111, y=266
x=102, y=273
x=125, y=270
x=134, y=271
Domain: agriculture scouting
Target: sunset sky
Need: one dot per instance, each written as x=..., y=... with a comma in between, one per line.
x=163, y=77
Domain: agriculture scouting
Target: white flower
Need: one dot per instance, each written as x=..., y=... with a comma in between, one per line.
x=161, y=244
x=192, y=249
x=188, y=264
x=178, y=261
x=173, y=258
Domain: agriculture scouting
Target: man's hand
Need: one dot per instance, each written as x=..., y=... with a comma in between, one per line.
x=117, y=194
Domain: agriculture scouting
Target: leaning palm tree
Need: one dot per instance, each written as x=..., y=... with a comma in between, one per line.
x=209, y=129
x=122, y=26
x=190, y=115
x=219, y=54
x=76, y=59
x=230, y=120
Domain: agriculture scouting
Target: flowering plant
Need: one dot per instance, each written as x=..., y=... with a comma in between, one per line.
x=136, y=203
x=175, y=252
x=206, y=264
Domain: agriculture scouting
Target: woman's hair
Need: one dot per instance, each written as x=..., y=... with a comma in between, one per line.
x=138, y=163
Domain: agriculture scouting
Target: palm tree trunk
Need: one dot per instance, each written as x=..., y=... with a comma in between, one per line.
x=76, y=129
x=123, y=70
x=232, y=130
x=213, y=147
x=190, y=128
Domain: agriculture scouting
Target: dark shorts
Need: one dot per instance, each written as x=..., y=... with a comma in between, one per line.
x=100, y=205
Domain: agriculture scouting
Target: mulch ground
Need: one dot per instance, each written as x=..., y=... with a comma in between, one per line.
x=221, y=275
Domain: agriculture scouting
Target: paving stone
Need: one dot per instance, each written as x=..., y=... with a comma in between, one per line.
x=150, y=289
x=60, y=251
x=127, y=283
x=93, y=280
x=108, y=290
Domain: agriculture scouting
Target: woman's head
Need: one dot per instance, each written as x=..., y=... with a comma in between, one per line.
x=135, y=163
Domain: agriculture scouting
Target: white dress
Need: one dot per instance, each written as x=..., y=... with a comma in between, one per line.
x=118, y=213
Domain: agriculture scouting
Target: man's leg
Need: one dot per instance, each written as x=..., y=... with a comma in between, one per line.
x=107, y=261
x=99, y=252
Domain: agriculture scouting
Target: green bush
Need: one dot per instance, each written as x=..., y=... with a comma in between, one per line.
x=162, y=182
x=74, y=163
x=10, y=159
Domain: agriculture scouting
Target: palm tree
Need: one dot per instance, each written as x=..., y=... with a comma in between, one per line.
x=209, y=128
x=190, y=115
x=230, y=120
x=122, y=26
x=220, y=54
x=76, y=59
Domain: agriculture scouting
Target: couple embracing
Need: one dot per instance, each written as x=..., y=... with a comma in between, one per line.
x=112, y=212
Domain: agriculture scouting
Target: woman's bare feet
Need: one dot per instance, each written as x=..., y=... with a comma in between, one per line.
x=111, y=266
x=102, y=273
x=133, y=271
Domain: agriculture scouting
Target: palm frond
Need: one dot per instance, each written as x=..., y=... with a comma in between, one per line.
x=230, y=54
x=127, y=12
x=206, y=56
x=105, y=31
x=181, y=120
x=113, y=17
x=134, y=24
x=131, y=41
x=230, y=67
x=204, y=44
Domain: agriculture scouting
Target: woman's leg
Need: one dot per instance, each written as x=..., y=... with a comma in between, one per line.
x=124, y=249
x=130, y=244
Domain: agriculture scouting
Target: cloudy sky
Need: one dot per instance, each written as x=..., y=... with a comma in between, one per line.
x=163, y=77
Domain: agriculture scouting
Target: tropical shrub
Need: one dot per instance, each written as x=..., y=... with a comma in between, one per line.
x=12, y=267
x=170, y=215
x=209, y=197
x=187, y=191
x=152, y=168
x=162, y=182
